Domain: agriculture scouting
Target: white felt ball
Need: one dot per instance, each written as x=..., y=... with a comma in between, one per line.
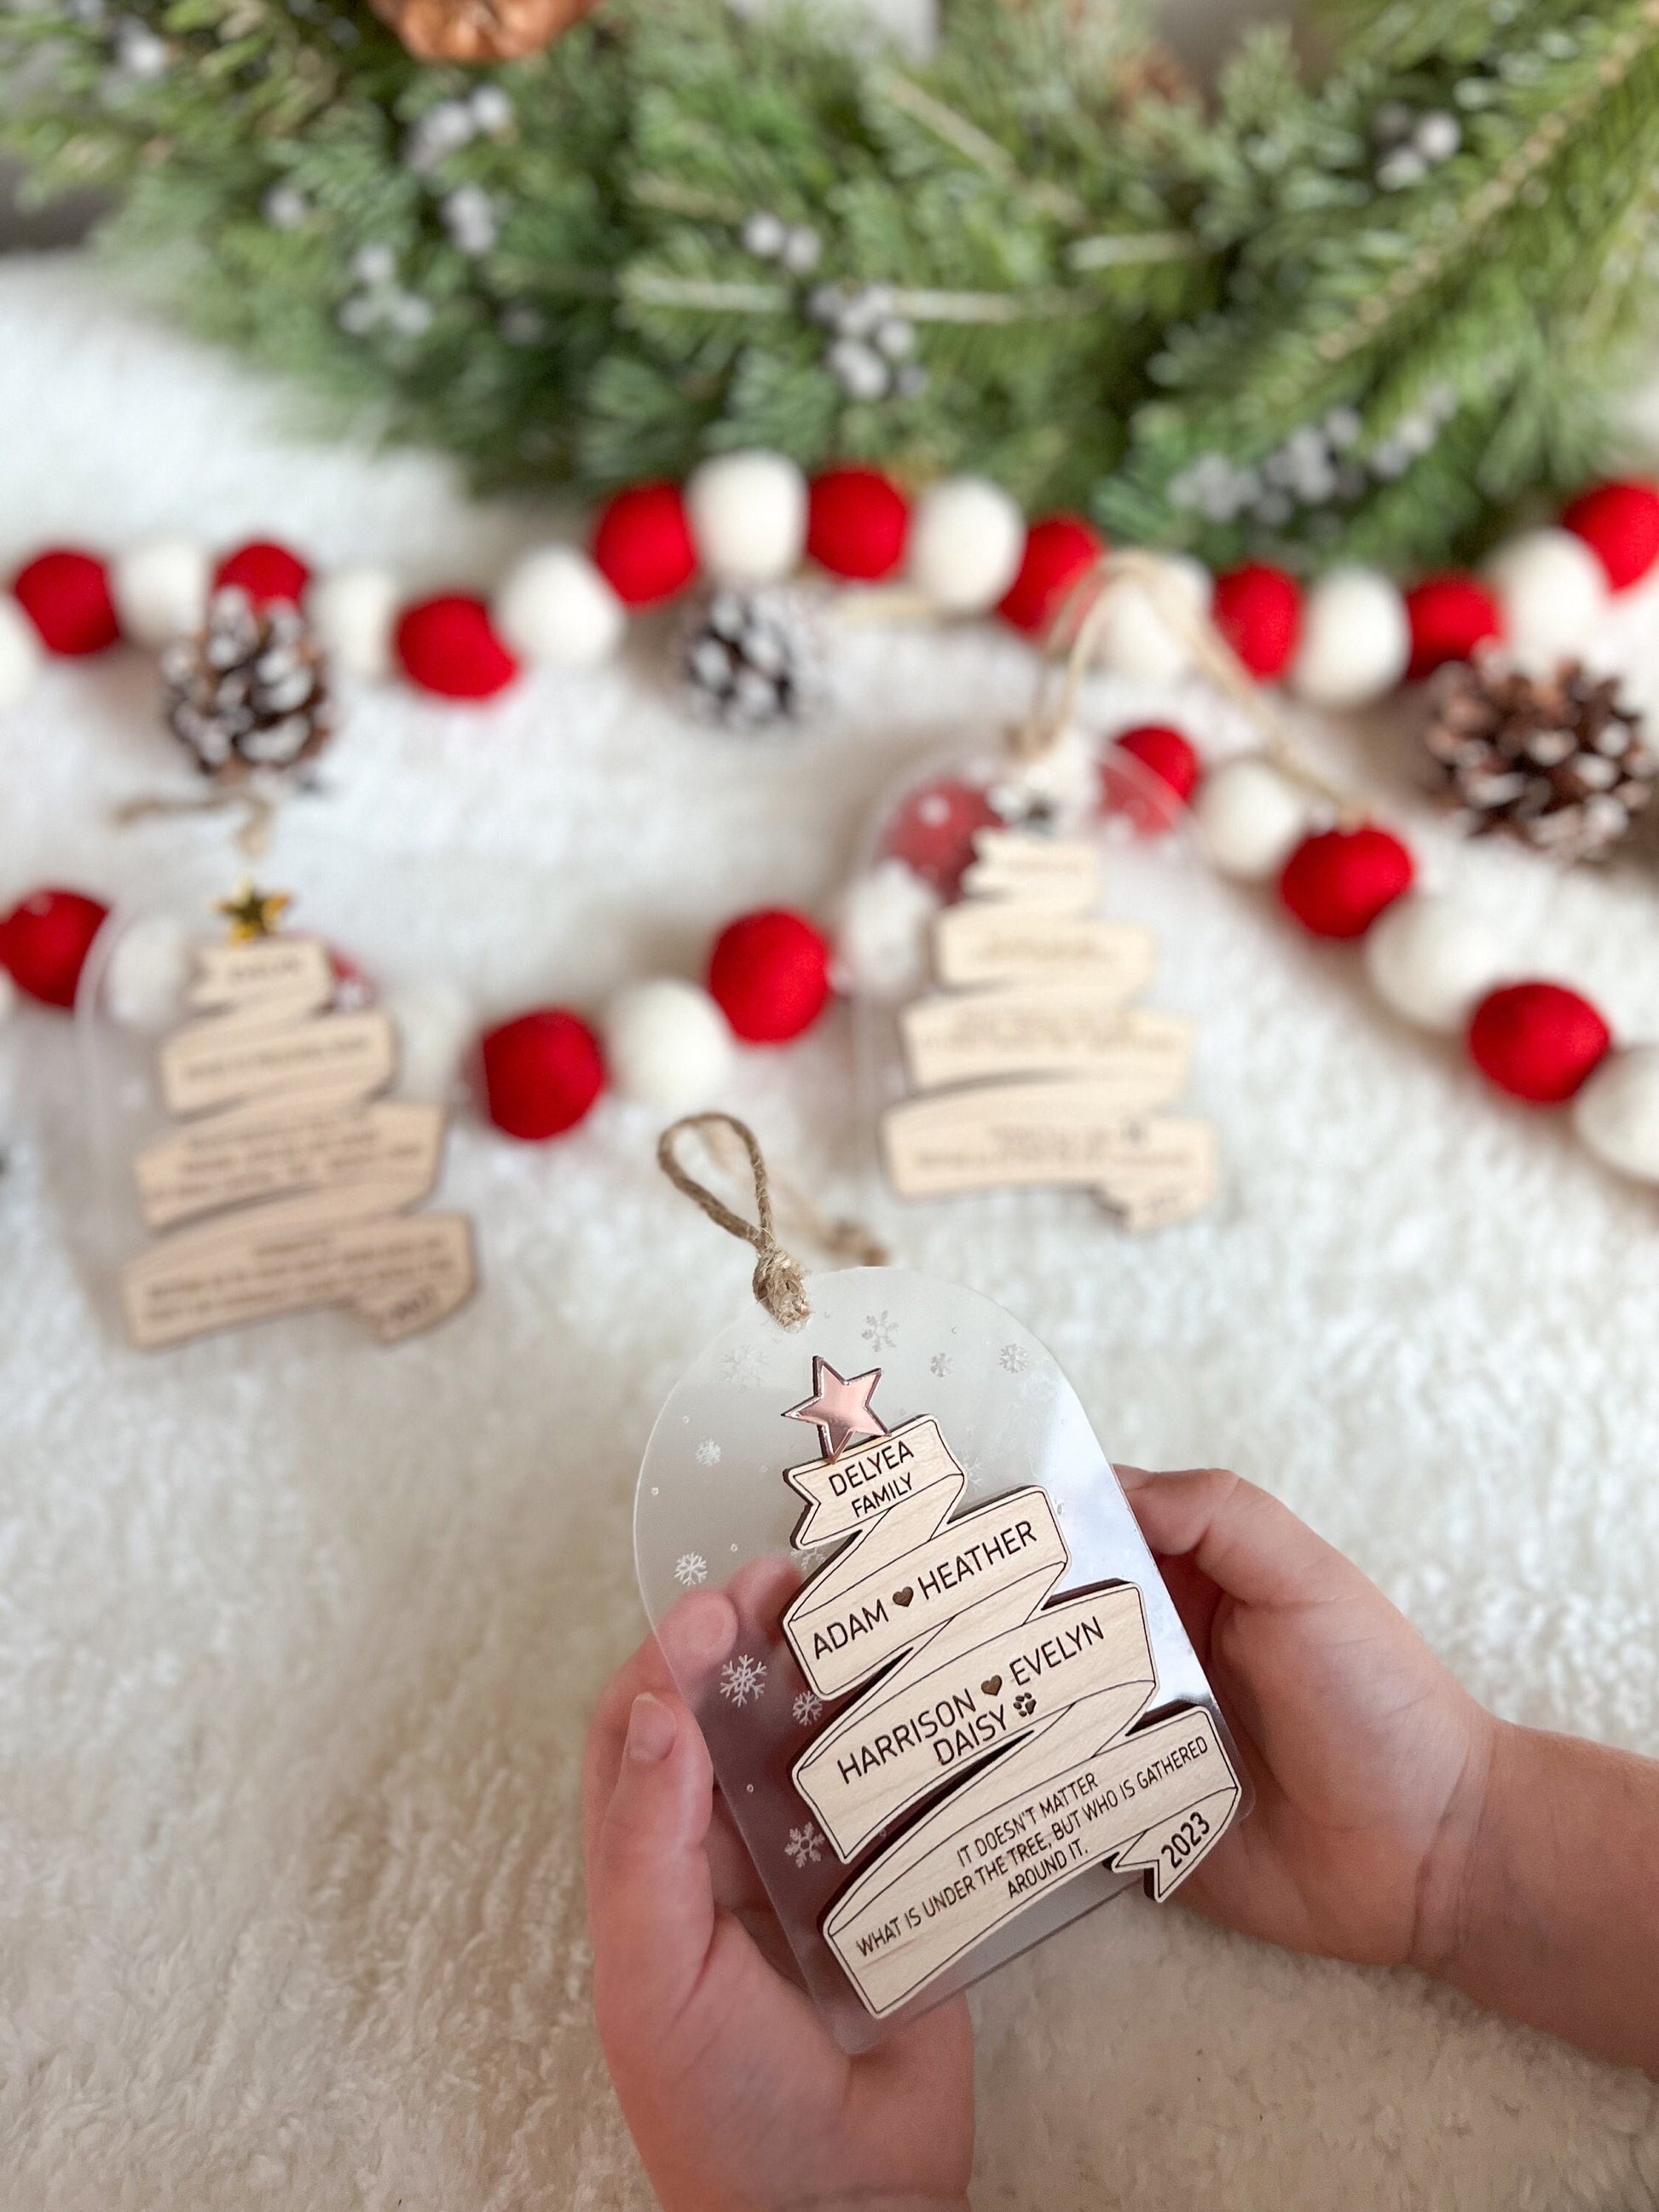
x=1138, y=638
x=145, y=981
x=667, y=1044
x=966, y=540
x=881, y=939
x=1552, y=589
x=160, y=589
x=7, y=996
x=1251, y=817
x=434, y=1024
x=1616, y=1114
x=748, y=515
x=20, y=653
x=554, y=607
x=353, y=611
x=1356, y=640
x=1431, y=960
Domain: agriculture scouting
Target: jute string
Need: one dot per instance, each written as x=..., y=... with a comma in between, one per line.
x=253, y=837
x=778, y=1282
x=1077, y=627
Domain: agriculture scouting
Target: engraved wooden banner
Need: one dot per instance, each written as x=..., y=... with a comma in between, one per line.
x=1029, y=1067
x=295, y=1178
x=988, y=1688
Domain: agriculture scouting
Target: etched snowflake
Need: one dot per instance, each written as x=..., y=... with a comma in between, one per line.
x=743, y=1678
x=741, y=1366
x=880, y=1330
x=806, y=1845
x=708, y=1453
x=940, y=1364
x=1013, y=1358
x=690, y=1569
x=808, y=1706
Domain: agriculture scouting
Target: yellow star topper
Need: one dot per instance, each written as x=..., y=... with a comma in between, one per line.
x=253, y=914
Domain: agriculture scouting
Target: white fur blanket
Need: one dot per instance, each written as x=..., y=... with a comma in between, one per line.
x=297, y=1638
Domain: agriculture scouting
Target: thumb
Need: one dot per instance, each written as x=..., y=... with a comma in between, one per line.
x=651, y=1905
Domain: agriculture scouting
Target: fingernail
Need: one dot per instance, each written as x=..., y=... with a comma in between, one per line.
x=650, y=1730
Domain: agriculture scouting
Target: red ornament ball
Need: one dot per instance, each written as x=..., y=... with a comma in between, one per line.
x=44, y=941
x=1337, y=883
x=449, y=644
x=1620, y=523
x=642, y=545
x=66, y=595
x=769, y=976
x=935, y=830
x=1538, y=1042
x=1258, y=610
x=1057, y=553
x=541, y=1073
x=1166, y=754
x=268, y=572
x=857, y=523
x=1449, y=616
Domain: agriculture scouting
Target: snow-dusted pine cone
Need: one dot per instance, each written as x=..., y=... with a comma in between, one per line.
x=250, y=691
x=753, y=660
x=1561, y=763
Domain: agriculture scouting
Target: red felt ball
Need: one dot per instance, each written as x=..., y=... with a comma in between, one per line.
x=857, y=522
x=542, y=1072
x=1258, y=610
x=643, y=546
x=1537, y=1041
x=269, y=573
x=935, y=830
x=1449, y=616
x=66, y=595
x=44, y=941
x=1164, y=753
x=1337, y=883
x=1057, y=553
x=769, y=976
x=1620, y=523
x=449, y=644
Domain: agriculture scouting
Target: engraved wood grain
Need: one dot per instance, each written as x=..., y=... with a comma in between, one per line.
x=998, y=941
x=1073, y=1132
x=1048, y=1029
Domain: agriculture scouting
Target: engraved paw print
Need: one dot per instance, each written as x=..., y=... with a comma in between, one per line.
x=1025, y=1704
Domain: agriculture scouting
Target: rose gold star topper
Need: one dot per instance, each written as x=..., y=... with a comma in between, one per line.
x=839, y=1407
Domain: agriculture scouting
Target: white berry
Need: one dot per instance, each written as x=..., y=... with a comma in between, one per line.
x=353, y=611
x=148, y=971
x=1251, y=816
x=435, y=1024
x=667, y=1044
x=967, y=540
x=1616, y=1115
x=160, y=589
x=1432, y=961
x=748, y=515
x=1356, y=640
x=555, y=607
x=20, y=653
x=1552, y=590
x=881, y=940
x=1145, y=630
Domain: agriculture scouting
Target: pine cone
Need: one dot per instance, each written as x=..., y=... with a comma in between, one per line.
x=752, y=659
x=1562, y=764
x=250, y=691
x=479, y=30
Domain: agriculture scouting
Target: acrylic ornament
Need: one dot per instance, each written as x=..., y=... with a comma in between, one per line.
x=958, y=1709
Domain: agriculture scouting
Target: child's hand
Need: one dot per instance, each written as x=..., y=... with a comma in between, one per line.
x=736, y=2095
x=1369, y=1762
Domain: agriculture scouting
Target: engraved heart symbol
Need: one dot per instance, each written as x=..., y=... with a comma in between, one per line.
x=991, y=1685
x=903, y=1596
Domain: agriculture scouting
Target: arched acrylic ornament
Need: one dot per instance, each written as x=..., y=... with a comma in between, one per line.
x=1020, y=1021
x=959, y=1708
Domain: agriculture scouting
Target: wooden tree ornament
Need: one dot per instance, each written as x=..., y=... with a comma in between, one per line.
x=1018, y=1705
x=480, y=30
x=293, y=1175
x=1028, y=1065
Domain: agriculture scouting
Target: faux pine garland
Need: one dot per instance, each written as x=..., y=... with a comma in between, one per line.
x=1369, y=314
